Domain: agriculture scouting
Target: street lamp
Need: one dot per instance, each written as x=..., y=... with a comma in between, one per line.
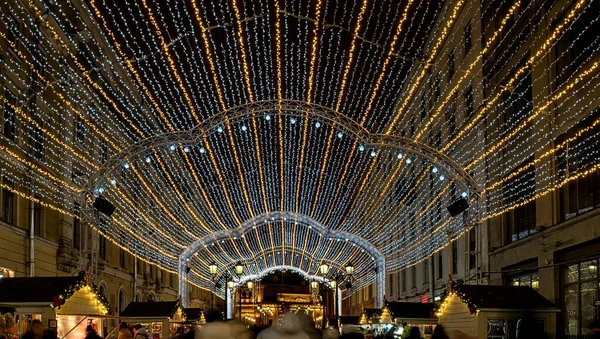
x=239, y=269
x=324, y=268
x=250, y=284
x=349, y=269
x=213, y=272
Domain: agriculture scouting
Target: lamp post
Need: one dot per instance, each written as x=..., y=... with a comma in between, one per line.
x=213, y=272
x=239, y=270
x=324, y=269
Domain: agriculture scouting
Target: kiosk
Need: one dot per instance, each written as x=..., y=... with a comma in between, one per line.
x=161, y=318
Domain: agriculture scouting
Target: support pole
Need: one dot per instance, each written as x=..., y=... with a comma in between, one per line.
x=31, y=258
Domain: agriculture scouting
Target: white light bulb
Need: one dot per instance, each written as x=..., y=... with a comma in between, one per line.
x=186, y=149
x=434, y=170
x=464, y=194
x=100, y=189
x=399, y=156
x=268, y=117
x=293, y=121
x=244, y=128
x=113, y=181
x=172, y=147
x=340, y=135
x=202, y=150
x=317, y=124
x=373, y=154
x=220, y=129
x=148, y=159
x=361, y=148
x=126, y=165
x=408, y=161
x=442, y=177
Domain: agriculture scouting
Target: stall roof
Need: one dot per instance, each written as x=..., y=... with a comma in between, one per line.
x=411, y=310
x=504, y=297
x=349, y=319
x=34, y=289
x=192, y=313
x=150, y=309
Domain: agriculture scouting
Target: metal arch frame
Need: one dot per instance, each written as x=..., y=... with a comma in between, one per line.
x=294, y=108
x=379, y=258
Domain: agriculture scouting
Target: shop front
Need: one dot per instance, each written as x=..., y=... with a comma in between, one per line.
x=65, y=304
x=160, y=318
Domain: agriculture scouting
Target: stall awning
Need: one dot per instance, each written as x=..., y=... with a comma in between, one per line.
x=150, y=309
x=34, y=289
x=504, y=297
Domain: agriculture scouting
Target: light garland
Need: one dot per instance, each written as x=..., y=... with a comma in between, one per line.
x=123, y=73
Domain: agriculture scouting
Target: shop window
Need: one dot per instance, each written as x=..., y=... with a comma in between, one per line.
x=579, y=154
x=520, y=222
x=580, y=296
x=122, y=257
x=509, y=328
x=9, y=123
x=8, y=203
x=531, y=279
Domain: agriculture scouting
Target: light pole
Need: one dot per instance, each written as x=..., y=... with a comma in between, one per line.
x=230, y=286
x=239, y=270
x=324, y=269
x=335, y=283
x=213, y=272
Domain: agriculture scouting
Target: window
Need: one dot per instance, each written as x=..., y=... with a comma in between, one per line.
x=122, y=301
x=579, y=195
x=455, y=257
x=580, y=293
x=518, y=104
x=104, y=151
x=36, y=143
x=13, y=30
x=521, y=221
x=451, y=66
x=426, y=271
x=440, y=266
x=404, y=280
x=509, y=328
x=472, y=249
x=77, y=227
x=9, y=124
x=413, y=276
x=102, y=247
x=80, y=130
x=531, y=279
x=37, y=217
x=467, y=38
x=8, y=203
x=122, y=262
x=578, y=44
x=468, y=94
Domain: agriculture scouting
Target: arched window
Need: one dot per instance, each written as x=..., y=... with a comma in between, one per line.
x=122, y=300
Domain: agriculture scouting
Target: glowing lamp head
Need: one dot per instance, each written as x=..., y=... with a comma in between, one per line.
x=324, y=269
x=349, y=269
x=230, y=284
x=212, y=268
x=239, y=269
x=250, y=284
x=333, y=284
x=314, y=284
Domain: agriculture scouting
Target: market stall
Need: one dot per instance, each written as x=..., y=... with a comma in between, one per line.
x=160, y=318
x=421, y=315
x=67, y=304
x=498, y=312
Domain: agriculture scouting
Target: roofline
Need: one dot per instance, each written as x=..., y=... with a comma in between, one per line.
x=547, y=309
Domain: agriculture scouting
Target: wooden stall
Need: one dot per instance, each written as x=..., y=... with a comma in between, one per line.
x=160, y=318
x=421, y=315
x=499, y=312
x=67, y=304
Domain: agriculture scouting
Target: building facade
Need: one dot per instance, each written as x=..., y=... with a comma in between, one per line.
x=36, y=240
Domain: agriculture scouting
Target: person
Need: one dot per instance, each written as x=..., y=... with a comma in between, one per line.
x=50, y=334
x=124, y=332
x=405, y=331
x=90, y=333
x=415, y=333
x=439, y=333
x=140, y=332
x=178, y=333
x=308, y=326
x=287, y=327
x=36, y=330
